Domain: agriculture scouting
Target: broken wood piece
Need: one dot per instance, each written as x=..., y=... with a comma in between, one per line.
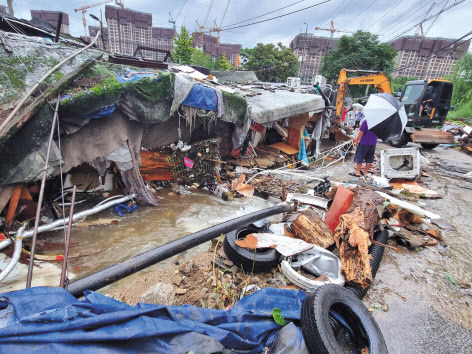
x=409, y=206
x=387, y=246
x=342, y=201
x=15, y=198
x=286, y=246
x=310, y=228
x=407, y=218
x=354, y=235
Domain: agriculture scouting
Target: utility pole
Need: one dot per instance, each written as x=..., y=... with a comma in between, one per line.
x=10, y=7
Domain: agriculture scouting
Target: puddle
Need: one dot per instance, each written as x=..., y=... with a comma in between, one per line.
x=97, y=247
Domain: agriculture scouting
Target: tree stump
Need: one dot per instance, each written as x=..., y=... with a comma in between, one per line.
x=354, y=235
x=310, y=228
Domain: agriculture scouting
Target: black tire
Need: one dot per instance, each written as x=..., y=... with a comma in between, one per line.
x=317, y=321
x=263, y=260
x=429, y=146
x=401, y=140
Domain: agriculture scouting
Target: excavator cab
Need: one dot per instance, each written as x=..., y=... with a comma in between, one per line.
x=427, y=102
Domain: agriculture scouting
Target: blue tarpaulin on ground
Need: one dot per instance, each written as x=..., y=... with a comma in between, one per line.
x=45, y=319
x=203, y=97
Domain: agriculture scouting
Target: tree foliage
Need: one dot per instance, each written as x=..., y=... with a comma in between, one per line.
x=201, y=59
x=462, y=94
x=399, y=82
x=361, y=51
x=183, y=46
x=223, y=63
x=272, y=63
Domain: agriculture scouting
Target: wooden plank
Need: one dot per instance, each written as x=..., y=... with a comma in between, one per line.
x=284, y=148
x=154, y=166
x=311, y=228
x=432, y=137
x=15, y=198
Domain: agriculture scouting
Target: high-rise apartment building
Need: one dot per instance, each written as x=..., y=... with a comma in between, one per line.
x=309, y=50
x=163, y=38
x=427, y=58
x=93, y=30
x=209, y=45
x=51, y=17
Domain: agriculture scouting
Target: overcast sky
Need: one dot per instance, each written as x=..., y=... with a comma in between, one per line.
x=349, y=15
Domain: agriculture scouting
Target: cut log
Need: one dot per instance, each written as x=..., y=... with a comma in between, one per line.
x=154, y=166
x=310, y=228
x=354, y=235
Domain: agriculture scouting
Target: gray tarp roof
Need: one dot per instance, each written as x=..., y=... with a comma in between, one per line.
x=269, y=105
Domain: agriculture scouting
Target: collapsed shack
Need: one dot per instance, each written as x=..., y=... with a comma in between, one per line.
x=125, y=130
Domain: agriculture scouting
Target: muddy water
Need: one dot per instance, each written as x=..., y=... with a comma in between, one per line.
x=97, y=247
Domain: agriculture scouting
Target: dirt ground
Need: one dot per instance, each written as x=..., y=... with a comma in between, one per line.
x=420, y=298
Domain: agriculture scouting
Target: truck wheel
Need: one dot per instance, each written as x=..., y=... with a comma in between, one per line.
x=401, y=140
x=428, y=146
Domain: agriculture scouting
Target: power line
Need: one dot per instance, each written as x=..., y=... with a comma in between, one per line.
x=385, y=14
x=430, y=17
x=360, y=13
x=273, y=18
x=422, y=15
x=442, y=50
x=331, y=14
x=400, y=16
x=268, y=13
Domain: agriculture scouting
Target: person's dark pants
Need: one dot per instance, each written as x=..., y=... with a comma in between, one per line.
x=357, y=124
x=364, y=153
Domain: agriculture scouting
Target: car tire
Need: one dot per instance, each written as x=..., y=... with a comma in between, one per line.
x=321, y=312
x=429, y=146
x=258, y=261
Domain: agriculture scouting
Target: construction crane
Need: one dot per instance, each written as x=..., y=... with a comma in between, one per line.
x=84, y=10
x=173, y=19
x=217, y=28
x=420, y=27
x=435, y=19
x=331, y=29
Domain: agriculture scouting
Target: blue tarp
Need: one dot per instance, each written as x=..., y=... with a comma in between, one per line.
x=101, y=113
x=202, y=97
x=134, y=76
x=45, y=319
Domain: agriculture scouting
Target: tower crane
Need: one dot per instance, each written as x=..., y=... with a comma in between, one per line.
x=331, y=29
x=173, y=19
x=84, y=10
x=420, y=27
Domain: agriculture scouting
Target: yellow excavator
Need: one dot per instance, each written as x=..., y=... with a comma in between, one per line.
x=427, y=103
x=376, y=79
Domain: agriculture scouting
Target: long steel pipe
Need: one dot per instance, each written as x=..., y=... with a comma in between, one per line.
x=62, y=283
x=41, y=194
x=130, y=266
x=80, y=215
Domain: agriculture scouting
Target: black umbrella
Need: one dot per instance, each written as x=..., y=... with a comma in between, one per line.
x=385, y=115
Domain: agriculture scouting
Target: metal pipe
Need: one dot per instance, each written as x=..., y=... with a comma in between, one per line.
x=16, y=254
x=80, y=215
x=141, y=261
x=58, y=28
x=67, y=241
x=41, y=193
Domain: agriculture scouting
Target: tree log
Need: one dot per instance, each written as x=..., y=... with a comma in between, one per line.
x=310, y=228
x=354, y=235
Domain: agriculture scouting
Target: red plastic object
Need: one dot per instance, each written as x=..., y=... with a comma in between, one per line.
x=342, y=201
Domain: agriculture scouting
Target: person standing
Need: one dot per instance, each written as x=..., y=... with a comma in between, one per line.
x=366, y=142
x=351, y=117
x=343, y=115
x=359, y=116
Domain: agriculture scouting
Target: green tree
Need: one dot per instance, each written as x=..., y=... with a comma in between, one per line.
x=183, y=46
x=361, y=51
x=201, y=59
x=399, y=82
x=272, y=63
x=462, y=94
x=223, y=63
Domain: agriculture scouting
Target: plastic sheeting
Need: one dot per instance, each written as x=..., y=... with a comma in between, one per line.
x=203, y=97
x=101, y=113
x=45, y=319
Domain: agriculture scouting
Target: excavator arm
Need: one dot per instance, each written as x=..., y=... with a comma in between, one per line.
x=374, y=78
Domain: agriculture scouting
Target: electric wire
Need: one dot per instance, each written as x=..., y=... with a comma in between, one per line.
x=276, y=17
x=401, y=16
x=326, y=22
x=356, y=16
x=385, y=14
x=430, y=17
